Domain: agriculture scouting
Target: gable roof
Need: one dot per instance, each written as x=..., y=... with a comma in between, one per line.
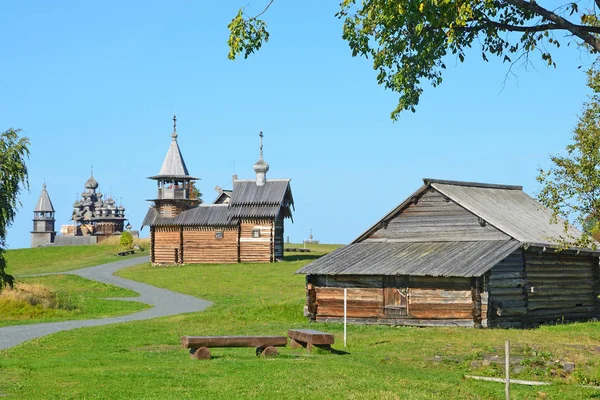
x=461, y=259
x=252, y=201
x=506, y=207
x=222, y=197
x=44, y=204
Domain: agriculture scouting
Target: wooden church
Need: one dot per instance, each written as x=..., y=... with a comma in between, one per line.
x=244, y=225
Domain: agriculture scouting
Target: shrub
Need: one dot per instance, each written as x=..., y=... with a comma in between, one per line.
x=126, y=241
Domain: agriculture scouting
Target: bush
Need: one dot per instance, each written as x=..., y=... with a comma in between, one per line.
x=126, y=241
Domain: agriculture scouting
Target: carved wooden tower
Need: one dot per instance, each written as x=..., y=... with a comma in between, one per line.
x=43, y=221
x=174, y=182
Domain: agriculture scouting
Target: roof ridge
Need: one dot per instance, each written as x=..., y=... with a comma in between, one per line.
x=428, y=181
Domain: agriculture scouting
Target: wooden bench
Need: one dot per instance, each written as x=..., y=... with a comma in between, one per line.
x=308, y=338
x=125, y=252
x=199, y=345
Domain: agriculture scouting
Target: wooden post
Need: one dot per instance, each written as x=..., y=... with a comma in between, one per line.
x=507, y=368
x=345, y=301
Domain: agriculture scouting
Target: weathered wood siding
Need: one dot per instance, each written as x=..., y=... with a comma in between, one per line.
x=436, y=218
x=506, y=290
x=560, y=286
x=256, y=249
x=200, y=245
x=278, y=239
x=400, y=300
x=166, y=245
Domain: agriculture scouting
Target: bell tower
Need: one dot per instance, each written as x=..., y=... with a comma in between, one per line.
x=43, y=221
x=174, y=182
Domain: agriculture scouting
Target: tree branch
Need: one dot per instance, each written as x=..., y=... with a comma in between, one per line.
x=265, y=10
x=581, y=31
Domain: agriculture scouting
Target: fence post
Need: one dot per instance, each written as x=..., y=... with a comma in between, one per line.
x=507, y=369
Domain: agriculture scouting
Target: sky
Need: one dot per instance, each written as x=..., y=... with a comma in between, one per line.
x=97, y=84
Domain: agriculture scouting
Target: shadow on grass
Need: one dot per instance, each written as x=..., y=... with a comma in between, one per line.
x=301, y=256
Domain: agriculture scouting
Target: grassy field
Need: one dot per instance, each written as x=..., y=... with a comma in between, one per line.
x=62, y=258
x=143, y=360
x=75, y=298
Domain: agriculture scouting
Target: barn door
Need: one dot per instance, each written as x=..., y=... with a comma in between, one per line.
x=395, y=297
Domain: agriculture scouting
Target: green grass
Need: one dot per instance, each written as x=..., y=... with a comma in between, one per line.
x=61, y=258
x=143, y=360
x=79, y=299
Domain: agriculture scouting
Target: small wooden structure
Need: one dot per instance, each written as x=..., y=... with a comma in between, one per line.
x=457, y=254
x=243, y=225
x=309, y=338
x=199, y=345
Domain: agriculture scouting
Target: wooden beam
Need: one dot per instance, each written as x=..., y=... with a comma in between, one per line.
x=233, y=341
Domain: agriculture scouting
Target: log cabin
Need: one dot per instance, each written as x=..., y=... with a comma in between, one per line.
x=245, y=224
x=458, y=254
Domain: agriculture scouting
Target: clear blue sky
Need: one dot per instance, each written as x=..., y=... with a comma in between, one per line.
x=97, y=83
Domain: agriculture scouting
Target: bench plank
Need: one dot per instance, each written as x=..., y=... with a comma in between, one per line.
x=233, y=341
x=310, y=336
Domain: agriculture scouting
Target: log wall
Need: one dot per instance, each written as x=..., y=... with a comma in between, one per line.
x=278, y=239
x=401, y=300
x=166, y=245
x=507, y=298
x=435, y=218
x=561, y=287
x=259, y=249
x=200, y=245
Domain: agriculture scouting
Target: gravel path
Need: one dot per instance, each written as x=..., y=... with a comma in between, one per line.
x=165, y=303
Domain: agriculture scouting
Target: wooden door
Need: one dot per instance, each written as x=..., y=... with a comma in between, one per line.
x=395, y=301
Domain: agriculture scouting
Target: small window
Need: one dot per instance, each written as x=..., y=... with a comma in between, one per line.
x=219, y=235
x=255, y=233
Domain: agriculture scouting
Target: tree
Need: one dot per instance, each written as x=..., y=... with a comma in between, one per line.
x=571, y=187
x=14, y=150
x=409, y=40
x=195, y=193
x=126, y=240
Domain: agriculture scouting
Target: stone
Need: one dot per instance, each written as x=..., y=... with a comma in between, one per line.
x=567, y=366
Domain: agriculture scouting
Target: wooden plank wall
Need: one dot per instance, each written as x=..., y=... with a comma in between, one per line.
x=200, y=245
x=278, y=239
x=431, y=301
x=560, y=287
x=256, y=249
x=436, y=218
x=507, y=299
x=166, y=245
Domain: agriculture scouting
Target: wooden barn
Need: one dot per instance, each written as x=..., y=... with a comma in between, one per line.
x=245, y=224
x=457, y=254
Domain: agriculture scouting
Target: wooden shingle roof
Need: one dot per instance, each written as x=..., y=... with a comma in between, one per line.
x=461, y=259
x=44, y=204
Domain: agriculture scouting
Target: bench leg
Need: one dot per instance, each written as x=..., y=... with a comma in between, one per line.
x=203, y=353
x=268, y=351
x=295, y=344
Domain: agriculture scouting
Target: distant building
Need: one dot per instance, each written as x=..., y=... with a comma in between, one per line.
x=242, y=225
x=95, y=216
x=43, y=221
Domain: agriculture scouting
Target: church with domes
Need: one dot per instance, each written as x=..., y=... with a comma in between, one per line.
x=95, y=214
x=245, y=224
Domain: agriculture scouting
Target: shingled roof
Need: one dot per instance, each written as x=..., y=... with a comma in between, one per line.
x=173, y=166
x=44, y=204
x=203, y=215
x=462, y=259
x=252, y=201
x=507, y=208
